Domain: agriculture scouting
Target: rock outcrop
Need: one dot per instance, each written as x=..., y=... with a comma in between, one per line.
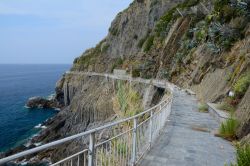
x=243, y=114
x=39, y=102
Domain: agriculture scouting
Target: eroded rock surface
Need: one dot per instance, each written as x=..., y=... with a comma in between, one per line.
x=39, y=102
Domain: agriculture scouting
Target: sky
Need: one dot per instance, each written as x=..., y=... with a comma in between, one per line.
x=53, y=31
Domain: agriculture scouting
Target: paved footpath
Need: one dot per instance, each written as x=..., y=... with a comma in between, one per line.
x=188, y=138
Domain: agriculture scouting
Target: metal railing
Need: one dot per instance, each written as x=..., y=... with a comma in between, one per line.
x=127, y=141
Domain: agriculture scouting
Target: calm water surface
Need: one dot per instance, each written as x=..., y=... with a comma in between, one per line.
x=17, y=84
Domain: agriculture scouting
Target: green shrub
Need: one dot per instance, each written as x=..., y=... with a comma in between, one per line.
x=149, y=43
x=242, y=85
x=218, y=4
x=121, y=95
x=105, y=48
x=243, y=155
x=162, y=24
x=114, y=31
x=227, y=13
x=142, y=41
x=200, y=35
x=228, y=129
x=215, y=49
x=187, y=46
x=127, y=102
x=203, y=107
x=76, y=60
x=136, y=73
x=117, y=63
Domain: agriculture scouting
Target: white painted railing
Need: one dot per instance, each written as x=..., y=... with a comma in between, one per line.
x=129, y=140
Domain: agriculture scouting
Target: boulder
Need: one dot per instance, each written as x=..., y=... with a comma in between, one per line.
x=39, y=102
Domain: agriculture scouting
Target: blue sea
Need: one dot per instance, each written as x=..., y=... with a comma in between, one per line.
x=17, y=84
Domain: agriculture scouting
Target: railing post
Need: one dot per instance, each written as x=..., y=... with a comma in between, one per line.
x=133, y=157
x=91, y=153
x=150, y=128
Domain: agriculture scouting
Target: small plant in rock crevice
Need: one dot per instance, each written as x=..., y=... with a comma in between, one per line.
x=228, y=129
x=203, y=107
x=241, y=86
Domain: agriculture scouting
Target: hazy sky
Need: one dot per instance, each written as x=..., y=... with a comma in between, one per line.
x=53, y=31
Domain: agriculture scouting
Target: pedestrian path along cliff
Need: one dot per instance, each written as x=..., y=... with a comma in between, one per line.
x=188, y=139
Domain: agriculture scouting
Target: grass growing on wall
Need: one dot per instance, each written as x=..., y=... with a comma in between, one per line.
x=228, y=129
x=203, y=107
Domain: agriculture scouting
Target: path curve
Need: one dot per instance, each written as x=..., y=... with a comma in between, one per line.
x=156, y=82
x=188, y=138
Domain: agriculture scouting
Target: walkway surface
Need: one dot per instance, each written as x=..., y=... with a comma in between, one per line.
x=188, y=138
x=158, y=83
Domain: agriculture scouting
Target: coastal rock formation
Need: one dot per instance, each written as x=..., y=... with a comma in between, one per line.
x=39, y=102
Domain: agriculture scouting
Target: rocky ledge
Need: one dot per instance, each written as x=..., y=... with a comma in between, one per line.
x=40, y=102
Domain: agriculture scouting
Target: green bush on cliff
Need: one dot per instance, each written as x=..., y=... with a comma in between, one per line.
x=118, y=62
x=136, y=73
x=203, y=107
x=143, y=40
x=226, y=10
x=243, y=155
x=218, y=4
x=242, y=85
x=114, y=31
x=89, y=56
x=149, y=43
x=161, y=26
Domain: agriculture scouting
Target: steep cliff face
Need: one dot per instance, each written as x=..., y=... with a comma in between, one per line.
x=193, y=43
x=197, y=44
x=127, y=32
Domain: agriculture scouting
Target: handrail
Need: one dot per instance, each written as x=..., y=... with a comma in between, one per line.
x=61, y=141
